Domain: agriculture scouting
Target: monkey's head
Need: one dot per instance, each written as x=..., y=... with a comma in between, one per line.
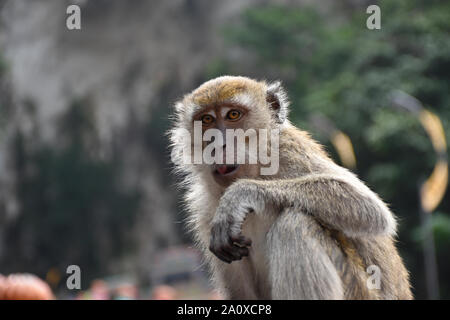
x=237, y=103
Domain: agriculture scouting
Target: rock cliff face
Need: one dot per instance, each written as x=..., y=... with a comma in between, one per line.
x=122, y=57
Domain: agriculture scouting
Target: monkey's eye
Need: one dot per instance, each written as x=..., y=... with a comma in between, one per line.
x=234, y=115
x=207, y=119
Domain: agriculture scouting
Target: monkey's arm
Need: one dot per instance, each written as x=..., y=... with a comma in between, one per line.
x=339, y=202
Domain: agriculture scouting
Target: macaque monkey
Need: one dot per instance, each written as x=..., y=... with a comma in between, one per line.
x=309, y=230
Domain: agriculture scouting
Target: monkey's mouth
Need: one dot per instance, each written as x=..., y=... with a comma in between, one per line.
x=225, y=169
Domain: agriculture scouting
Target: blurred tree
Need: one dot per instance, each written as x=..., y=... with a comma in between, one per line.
x=341, y=69
x=72, y=208
x=5, y=94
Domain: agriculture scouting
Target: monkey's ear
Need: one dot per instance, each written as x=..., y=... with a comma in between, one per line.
x=277, y=100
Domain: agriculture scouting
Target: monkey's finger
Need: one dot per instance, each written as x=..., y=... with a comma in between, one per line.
x=223, y=257
x=226, y=248
x=236, y=251
x=243, y=251
x=231, y=250
x=217, y=248
x=242, y=241
x=219, y=253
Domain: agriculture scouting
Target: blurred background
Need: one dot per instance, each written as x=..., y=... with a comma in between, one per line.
x=85, y=173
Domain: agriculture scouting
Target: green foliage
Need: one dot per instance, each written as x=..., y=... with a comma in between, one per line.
x=440, y=224
x=346, y=72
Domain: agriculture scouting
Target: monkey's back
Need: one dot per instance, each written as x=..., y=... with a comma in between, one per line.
x=381, y=252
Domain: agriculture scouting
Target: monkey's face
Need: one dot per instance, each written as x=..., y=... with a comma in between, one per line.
x=227, y=119
x=226, y=114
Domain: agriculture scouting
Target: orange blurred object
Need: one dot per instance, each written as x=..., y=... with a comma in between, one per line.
x=126, y=291
x=24, y=286
x=164, y=292
x=99, y=290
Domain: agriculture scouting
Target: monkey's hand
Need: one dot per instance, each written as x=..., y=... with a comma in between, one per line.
x=227, y=241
